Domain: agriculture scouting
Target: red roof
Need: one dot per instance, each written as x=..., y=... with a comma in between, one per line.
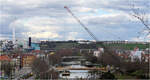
x=4, y=58
x=36, y=51
x=146, y=55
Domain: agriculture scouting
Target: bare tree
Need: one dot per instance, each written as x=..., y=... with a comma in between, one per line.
x=7, y=67
x=142, y=13
x=107, y=59
x=42, y=70
x=51, y=74
x=140, y=10
x=54, y=59
x=39, y=66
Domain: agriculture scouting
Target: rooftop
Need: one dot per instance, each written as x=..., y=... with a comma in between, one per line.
x=4, y=58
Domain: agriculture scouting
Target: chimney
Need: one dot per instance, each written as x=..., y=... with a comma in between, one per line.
x=29, y=41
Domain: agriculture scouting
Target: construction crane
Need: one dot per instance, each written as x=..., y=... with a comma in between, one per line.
x=90, y=33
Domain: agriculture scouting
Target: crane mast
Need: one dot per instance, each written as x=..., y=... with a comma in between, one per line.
x=90, y=33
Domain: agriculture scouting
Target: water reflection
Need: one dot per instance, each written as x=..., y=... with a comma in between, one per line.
x=77, y=73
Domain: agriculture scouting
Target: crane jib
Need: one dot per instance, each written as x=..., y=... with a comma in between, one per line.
x=90, y=33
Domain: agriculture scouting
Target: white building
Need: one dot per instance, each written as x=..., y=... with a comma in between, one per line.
x=136, y=54
x=98, y=52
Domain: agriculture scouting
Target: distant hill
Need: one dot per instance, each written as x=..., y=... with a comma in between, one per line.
x=92, y=45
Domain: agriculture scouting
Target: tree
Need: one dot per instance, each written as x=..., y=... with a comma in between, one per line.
x=90, y=57
x=51, y=74
x=54, y=59
x=108, y=75
x=7, y=67
x=39, y=66
x=42, y=70
x=65, y=52
x=110, y=59
x=141, y=13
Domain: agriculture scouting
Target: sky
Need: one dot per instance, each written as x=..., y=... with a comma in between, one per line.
x=48, y=20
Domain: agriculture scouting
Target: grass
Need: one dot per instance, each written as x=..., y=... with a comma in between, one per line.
x=65, y=45
x=127, y=46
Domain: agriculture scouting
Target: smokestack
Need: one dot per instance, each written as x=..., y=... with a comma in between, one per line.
x=14, y=35
x=29, y=41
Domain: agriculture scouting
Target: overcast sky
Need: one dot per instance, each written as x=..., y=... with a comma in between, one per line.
x=47, y=19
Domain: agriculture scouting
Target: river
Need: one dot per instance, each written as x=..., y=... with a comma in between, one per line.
x=77, y=73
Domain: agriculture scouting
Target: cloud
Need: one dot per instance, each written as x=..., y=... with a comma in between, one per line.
x=36, y=24
x=72, y=36
x=107, y=19
x=45, y=35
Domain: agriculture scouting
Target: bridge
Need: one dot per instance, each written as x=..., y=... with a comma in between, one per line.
x=85, y=68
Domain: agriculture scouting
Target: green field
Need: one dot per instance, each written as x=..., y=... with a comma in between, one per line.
x=119, y=45
x=127, y=46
